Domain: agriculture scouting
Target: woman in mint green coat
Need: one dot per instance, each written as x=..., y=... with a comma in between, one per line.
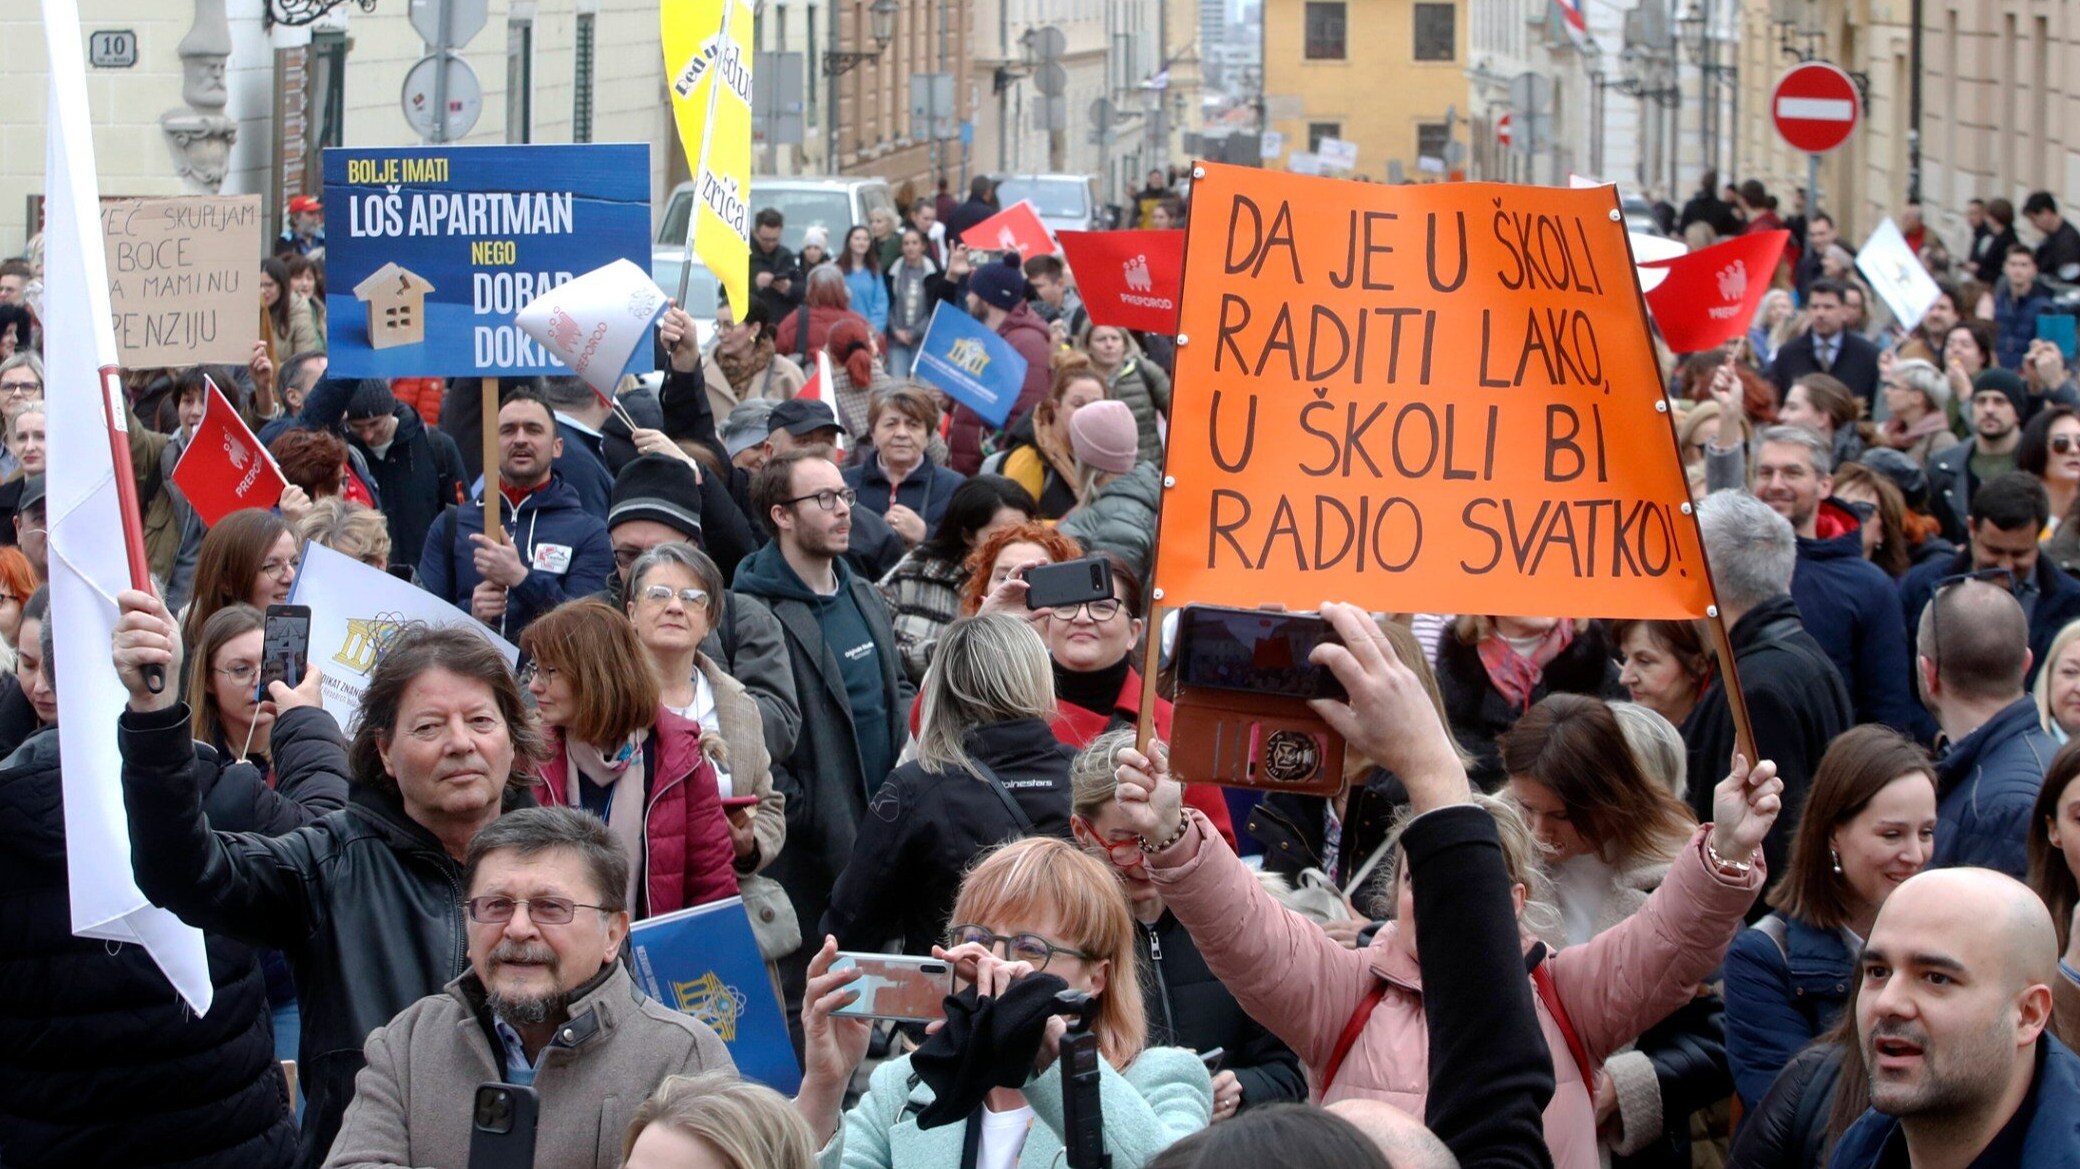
x=1037, y=903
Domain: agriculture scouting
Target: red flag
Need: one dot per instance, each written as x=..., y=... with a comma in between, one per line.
x=1016, y=228
x=819, y=378
x=225, y=468
x=1131, y=279
x=1710, y=296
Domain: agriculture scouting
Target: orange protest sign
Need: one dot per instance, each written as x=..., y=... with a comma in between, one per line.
x=1434, y=398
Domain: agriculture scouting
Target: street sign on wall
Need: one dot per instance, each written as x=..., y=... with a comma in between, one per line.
x=1815, y=107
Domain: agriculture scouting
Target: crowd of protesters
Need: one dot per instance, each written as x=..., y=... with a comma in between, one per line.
x=780, y=648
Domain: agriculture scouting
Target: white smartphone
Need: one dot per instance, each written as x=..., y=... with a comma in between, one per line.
x=904, y=987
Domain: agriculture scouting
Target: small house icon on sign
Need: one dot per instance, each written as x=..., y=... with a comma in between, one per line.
x=396, y=299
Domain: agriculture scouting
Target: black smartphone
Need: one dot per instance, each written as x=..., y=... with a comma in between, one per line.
x=1071, y=582
x=284, y=646
x=502, y=1124
x=1256, y=650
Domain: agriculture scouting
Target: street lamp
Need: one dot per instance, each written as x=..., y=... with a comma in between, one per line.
x=881, y=23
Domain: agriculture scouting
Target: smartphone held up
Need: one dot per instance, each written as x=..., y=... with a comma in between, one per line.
x=1242, y=719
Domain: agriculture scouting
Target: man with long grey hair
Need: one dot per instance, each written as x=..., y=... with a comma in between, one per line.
x=988, y=769
x=1796, y=698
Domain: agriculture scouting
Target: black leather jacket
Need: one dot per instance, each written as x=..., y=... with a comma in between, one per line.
x=1788, y=1129
x=365, y=902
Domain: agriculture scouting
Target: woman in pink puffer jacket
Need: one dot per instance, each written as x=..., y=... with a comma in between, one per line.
x=1306, y=988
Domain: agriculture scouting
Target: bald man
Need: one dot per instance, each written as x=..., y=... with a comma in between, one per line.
x=1404, y=1140
x=1953, y=1016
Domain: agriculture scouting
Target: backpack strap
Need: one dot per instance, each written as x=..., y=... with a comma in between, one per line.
x=1777, y=930
x=801, y=333
x=1018, y=814
x=1542, y=982
x=1351, y=1031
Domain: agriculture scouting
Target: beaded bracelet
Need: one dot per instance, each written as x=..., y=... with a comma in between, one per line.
x=1184, y=824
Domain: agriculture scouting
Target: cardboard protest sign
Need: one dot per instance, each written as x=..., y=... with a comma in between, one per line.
x=1128, y=278
x=1016, y=228
x=1710, y=296
x=432, y=250
x=707, y=64
x=356, y=611
x=1896, y=274
x=598, y=323
x=184, y=278
x=1430, y=399
x=975, y=367
x=224, y=468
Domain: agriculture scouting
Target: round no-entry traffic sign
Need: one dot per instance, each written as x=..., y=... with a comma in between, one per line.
x=1815, y=107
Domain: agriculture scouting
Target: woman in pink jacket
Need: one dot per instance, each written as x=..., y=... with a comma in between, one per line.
x=1308, y=989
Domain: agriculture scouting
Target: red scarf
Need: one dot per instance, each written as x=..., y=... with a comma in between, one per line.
x=1515, y=676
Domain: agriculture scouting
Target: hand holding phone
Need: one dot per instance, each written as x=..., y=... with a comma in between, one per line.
x=502, y=1127
x=1069, y=584
x=284, y=647
x=904, y=987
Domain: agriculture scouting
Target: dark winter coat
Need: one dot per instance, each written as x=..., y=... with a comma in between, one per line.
x=1986, y=784
x=1797, y=701
x=551, y=516
x=1293, y=833
x=2048, y=1136
x=1779, y=999
x=1478, y=712
x=1188, y=1007
x=1950, y=484
x=926, y=490
x=923, y=830
x=2057, y=604
x=1788, y=1129
x=1120, y=517
x=1847, y=604
x=421, y=473
x=365, y=902
x=2015, y=321
x=100, y=1064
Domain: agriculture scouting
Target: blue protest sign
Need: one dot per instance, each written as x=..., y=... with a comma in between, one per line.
x=705, y=961
x=431, y=250
x=975, y=367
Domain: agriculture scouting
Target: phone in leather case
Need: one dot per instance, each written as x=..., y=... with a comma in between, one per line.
x=1241, y=717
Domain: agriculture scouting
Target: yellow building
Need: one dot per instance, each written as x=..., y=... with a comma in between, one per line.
x=1377, y=73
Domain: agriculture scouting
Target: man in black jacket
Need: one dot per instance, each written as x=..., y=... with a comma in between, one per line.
x=418, y=472
x=981, y=204
x=1797, y=701
x=1708, y=208
x=100, y=1064
x=775, y=272
x=1830, y=347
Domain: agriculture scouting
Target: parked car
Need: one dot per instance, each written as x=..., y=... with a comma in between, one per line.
x=833, y=202
x=1065, y=202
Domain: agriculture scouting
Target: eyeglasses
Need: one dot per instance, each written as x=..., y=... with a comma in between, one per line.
x=2003, y=576
x=533, y=670
x=623, y=557
x=242, y=673
x=21, y=389
x=1122, y=853
x=662, y=594
x=826, y=499
x=280, y=568
x=540, y=910
x=1862, y=509
x=1103, y=609
x=2063, y=444
x=1031, y=949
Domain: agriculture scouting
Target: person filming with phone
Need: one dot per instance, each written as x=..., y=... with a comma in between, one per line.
x=546, y=1005
x=1311, y=992
x=1034, y=918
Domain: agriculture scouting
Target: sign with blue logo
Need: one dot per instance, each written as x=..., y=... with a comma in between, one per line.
x=705, y=962
x=975, y=367
x=431, y=250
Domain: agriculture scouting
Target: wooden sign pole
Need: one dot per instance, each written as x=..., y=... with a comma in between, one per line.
x=1737, y=702
x=1151, y=664
x=493, y=529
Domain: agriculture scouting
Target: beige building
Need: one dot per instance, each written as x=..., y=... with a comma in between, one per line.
x=1997, y=106
x=1377, y=73
x=262, y=96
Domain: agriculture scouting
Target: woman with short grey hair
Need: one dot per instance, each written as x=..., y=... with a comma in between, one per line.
x=1917, y=397
x=987, y=769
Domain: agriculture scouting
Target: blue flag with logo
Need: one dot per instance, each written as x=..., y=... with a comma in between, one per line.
x=975, y=367
x=705, y=962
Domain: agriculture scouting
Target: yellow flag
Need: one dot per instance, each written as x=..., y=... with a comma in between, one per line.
x=707, y=62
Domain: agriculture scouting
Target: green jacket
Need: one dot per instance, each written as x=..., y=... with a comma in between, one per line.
x=1145, y=388
x=1163, y=1097
x=1121, y=517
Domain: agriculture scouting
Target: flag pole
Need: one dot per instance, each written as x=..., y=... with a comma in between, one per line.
x=700, y=170
x=493, y=530
x=113, y=407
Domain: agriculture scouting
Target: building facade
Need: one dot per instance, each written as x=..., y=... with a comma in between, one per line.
x=195, y=96
x=1382, y=74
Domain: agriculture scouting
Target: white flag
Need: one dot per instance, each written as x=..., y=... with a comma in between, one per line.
x=355, y=612
x=88, y=567
x=595, y=322
x=1897, y=276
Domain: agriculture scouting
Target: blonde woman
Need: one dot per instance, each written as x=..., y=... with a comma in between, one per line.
x=716, y=1121
x=988, y=769
x=349, y=528
x=1035, y=906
